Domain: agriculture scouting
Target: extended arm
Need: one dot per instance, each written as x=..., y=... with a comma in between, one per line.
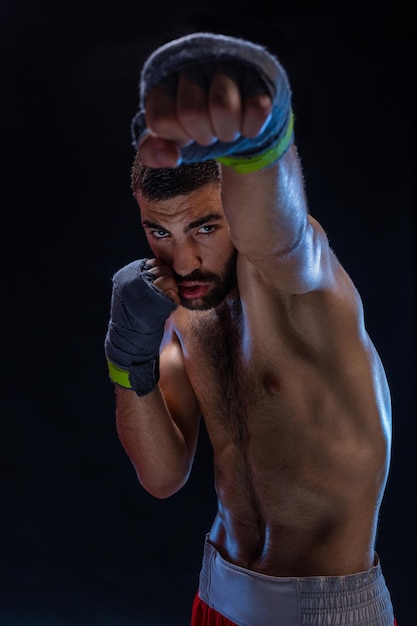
x=231, y=102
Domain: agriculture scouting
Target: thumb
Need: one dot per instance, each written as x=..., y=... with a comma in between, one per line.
x=168, y=286
x=158, y=153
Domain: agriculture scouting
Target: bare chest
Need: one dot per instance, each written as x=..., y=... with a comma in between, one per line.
x=272, y=398
x=290, y=454
x=222, y=372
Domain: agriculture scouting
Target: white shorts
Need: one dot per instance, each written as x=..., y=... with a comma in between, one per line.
x=251, y=599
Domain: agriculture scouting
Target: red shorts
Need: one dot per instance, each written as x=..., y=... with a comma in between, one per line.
x=203, y=615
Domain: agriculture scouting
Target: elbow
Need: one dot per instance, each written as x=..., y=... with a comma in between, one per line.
x=161, y=494
x=162, y=489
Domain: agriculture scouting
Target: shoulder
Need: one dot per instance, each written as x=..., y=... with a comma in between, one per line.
x=170, y=350
x=184, y=331
x=306, y=291
x=174, y=380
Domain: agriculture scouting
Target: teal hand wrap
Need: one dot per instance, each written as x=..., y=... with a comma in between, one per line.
x=254, y=70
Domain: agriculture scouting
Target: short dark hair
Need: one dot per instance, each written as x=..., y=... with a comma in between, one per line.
x=165, y=183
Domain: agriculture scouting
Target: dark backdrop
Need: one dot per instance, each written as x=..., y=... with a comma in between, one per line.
x=81, y=542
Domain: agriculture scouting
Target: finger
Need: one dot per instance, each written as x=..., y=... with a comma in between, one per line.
x=150, y=263
x=158, y=153
x=161, y=116
x=225, y=107
x=154, y=264
x=168, y=286
x=256, y=112
x=192, y=111
x=173, y=294
x=160, y=269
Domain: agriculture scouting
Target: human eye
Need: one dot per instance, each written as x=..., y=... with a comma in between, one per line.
x=207, y=229
x=159, y=233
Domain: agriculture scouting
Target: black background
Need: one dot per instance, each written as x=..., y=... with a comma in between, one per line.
x=81, y=542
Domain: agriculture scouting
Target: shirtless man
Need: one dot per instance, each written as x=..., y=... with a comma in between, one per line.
x=245, y=316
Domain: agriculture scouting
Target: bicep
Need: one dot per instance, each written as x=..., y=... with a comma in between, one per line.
x=178, y=392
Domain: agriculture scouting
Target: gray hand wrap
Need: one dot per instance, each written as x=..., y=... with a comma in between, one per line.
x=254, y=70
x=138, y=314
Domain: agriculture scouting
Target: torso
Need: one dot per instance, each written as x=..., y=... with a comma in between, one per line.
x=300, y=440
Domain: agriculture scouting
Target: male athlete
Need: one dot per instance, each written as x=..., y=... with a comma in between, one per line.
x=244, y=316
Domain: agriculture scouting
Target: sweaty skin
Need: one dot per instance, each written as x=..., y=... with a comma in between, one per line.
x=291, y=389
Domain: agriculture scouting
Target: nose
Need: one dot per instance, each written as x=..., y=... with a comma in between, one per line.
x=186, y=258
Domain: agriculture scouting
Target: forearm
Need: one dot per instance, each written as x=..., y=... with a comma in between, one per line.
x=267, y=209
x=152, y=440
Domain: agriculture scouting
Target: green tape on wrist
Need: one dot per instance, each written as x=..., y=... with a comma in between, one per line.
x=118, y=376
x=246, y=165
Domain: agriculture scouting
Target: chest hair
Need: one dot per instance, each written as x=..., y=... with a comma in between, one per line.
x=221, y=379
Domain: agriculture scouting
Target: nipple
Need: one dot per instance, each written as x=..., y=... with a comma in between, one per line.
x=271, y=383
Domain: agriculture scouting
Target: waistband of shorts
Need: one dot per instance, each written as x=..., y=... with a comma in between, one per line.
x=248, y=598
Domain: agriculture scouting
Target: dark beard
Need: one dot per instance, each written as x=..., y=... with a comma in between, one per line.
x=217, y=294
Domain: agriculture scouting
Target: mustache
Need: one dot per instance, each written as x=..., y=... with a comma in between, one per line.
x=198, y=276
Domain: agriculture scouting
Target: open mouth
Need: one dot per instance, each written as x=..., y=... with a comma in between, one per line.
x=193, y=291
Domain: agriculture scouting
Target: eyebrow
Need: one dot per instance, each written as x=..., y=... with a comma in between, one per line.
x=194, y=224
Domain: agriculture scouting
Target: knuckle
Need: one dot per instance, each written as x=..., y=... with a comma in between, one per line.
x=192, y=115
x=160, y=124
x=224, y=101
x=258, y=106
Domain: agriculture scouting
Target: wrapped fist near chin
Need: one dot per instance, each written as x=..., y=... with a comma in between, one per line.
x=139, y=310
